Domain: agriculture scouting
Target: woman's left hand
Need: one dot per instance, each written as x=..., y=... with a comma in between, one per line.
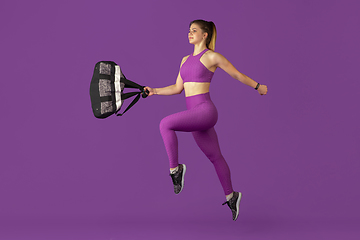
x=262, y=89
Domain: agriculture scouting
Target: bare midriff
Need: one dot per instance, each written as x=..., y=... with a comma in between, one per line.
x=195, y=88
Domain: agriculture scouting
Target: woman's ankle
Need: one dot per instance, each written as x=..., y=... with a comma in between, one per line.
x=228, y=197
x=174, y=170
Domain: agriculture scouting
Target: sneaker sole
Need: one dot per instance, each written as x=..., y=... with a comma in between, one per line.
x=182, y=177
x=237, y=206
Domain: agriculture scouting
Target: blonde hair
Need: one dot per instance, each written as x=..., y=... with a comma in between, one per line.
x=210, y=29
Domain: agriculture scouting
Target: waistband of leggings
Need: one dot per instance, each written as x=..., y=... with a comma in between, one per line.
x=194, y=100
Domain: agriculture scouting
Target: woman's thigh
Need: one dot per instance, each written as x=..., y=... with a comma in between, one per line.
x=200, y=118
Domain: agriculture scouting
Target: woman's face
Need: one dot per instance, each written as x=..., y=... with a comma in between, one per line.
x=195, y=34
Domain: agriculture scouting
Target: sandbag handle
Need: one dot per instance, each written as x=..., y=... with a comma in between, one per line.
x=145, y=93
x=131, y=104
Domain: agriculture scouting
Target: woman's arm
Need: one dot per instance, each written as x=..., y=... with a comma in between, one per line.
x=176, y=88
x=221, y=62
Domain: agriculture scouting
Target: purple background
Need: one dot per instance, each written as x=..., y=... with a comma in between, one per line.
x=294, y=153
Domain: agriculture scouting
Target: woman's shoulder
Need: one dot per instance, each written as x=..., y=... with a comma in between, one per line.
x=212, y=54
x=213, y=57
x=184, y=58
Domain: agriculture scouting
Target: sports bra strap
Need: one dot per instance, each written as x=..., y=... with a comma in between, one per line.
x=201, y=53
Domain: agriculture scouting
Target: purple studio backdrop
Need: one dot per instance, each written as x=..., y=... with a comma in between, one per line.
x=294, y=153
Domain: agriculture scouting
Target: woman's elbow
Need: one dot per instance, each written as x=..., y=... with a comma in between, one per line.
x=179, y=90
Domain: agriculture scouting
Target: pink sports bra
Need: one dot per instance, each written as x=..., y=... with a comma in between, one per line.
x=193, y=70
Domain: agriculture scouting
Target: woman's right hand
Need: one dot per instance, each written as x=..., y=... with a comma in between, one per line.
x=151, y=91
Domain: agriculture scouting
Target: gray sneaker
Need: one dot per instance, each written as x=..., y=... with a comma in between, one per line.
x=234, y=204
x=178, y=178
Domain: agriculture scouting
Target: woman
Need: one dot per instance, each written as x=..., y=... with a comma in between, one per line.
x=196, y=72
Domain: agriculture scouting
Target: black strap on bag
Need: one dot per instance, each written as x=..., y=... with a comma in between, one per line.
x=131, y=84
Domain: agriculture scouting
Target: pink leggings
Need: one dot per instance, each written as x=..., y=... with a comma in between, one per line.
x=199, y=118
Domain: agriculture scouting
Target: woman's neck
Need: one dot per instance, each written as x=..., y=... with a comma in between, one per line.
x=198, y=48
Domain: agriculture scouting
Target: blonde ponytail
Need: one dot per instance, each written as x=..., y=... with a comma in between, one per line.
x=211, y=44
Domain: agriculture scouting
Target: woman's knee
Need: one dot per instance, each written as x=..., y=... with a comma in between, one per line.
x=215, y=157
x=164, y=124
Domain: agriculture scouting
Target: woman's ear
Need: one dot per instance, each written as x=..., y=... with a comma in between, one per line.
x=205, y=35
